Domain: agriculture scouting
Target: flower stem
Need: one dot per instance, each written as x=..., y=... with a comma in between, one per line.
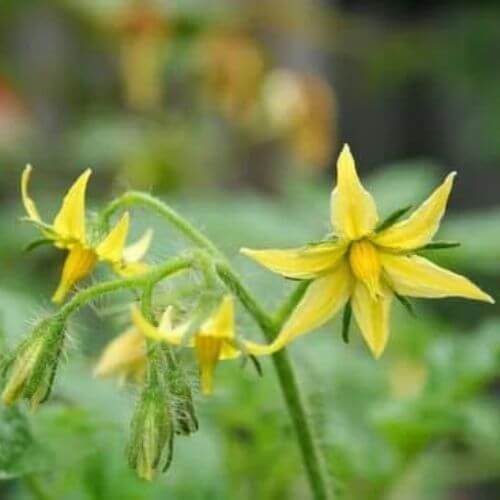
x=312, y=455
x=145, y=280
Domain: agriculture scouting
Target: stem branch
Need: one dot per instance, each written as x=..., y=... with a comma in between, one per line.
x=312, y=455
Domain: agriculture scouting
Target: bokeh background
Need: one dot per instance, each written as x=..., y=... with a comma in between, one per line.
x=234, y=112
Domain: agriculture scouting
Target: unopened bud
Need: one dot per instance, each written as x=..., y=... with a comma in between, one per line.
x=32, y=367
x=150, y=446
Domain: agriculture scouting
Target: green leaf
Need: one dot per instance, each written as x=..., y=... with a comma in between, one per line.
x=346, y=322
x=406, y=304
x=392, y=218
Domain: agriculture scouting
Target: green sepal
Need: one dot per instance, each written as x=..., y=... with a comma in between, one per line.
x=329, y=238
x=346, y=322
x=392, y=218
x=37, y=243
x=439, y=245
x=256, y=364
x=406, y=304
x=42, y=226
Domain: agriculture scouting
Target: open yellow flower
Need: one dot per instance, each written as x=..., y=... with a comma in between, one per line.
x=365, y=263
x=124, y=357
x=214, y=341
x=69, y=232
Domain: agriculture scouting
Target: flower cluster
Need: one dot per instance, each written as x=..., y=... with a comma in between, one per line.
x=361, y=266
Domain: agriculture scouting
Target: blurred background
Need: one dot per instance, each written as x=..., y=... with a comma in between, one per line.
x=234, y=112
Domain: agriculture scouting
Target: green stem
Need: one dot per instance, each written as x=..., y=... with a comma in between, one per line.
x=312, y=455
x=156, y=274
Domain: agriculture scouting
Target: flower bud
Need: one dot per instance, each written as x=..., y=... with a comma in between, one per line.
x=151, y=432
x=32, y=367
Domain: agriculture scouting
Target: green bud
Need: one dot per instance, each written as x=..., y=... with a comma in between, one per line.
x=184, y=413
x=151, y=437
x=30, y=371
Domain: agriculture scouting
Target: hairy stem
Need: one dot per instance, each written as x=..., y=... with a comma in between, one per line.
x=312, y=455
x=156, y=274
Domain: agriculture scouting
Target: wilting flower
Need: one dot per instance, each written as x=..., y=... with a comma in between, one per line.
x=144, y=35
x=366, y=263
x=32, y=367
x=233, y=70
x=124, y=357
x=302, y=109
x=69, y=232
x=214, y=341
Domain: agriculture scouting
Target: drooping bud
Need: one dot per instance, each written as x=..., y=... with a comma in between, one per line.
x=151, y=440
x=32, y=367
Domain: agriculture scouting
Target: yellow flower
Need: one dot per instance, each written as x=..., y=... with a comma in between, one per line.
x=214, y=341
x=124, y=357
x=69, y=232
x=364, y=263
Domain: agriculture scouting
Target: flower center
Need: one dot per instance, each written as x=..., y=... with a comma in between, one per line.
x=365, y=265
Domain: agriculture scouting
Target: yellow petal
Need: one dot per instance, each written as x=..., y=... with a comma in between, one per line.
x=221, y=323
x=130, y=269
x=136, y=251
x=208, y=351
x=418, y=229
x=29, y=204
x=70, y=221
x=324, y=297
x=301, y=263
x=79, y=264
x=372, y=316
x=163, y=334
x=111, y=248
x=354, y=213
x=126, y=354
x=418, y=277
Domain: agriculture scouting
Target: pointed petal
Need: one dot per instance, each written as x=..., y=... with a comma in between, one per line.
x=300, y=263
x=354, y=213
x=136, y=251
x=422, y=225
x=29, y=204
x=372, y=316
x=323, y=299
x=418, y=277
x=70, y=221
x=171, y=336
x=165, y=324
x=126, y=353
x=111, y=248
x=78, y=264
x=221, y=324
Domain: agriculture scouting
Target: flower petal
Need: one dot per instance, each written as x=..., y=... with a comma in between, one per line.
x=136, y=251
x=372, y=316
x=418, y=277
x=354, y=213
x=418, y=229
x=221, y=323
x=29, y=204
x=324, y=297
x=78, y=264
x=300, y=263
x=124, y=354
x=170, y=336
x=111, y=247
x=69, y=223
